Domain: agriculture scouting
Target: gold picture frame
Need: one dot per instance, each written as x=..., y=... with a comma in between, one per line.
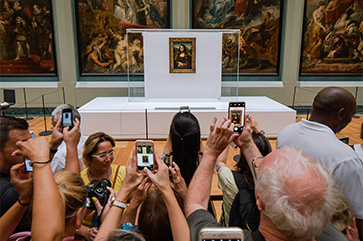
x=182, y=55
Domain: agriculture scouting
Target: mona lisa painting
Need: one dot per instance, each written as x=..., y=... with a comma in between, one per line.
x=182, y=55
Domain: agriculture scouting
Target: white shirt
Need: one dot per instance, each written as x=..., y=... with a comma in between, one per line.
x=59, y=159
x=358, y=150
x=318, y=142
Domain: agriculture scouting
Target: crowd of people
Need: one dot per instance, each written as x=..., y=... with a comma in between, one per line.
x=309, y=188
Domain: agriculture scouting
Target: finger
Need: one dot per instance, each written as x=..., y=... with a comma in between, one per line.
x=213, y=124
x=173, y=171
x=149, y=174
x=97, y=205
x=220, y=124
x=227, y=123
x=354, y=223
x=16, y=168
x=142, y=184
x=59, y=122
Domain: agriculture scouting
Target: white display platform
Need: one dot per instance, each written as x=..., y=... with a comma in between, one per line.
x=122, y=119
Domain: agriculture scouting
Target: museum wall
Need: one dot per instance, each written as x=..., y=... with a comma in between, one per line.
x=65, y=44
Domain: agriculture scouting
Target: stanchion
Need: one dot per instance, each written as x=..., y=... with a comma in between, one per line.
x=45, y=132
x=26, y=107
x=64, y=96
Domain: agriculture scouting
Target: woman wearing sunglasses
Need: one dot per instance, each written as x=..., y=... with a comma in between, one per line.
x=98, y=155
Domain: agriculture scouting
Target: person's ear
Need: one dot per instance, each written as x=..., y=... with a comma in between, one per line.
x=259, y=202
x=80, y=217
x=342, y=112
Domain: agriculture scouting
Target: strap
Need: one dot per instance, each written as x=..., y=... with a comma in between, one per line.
x=114, y=180
x=257, y=236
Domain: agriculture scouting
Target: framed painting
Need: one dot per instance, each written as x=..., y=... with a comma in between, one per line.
x=27, y=47
x=182, y=55
x=260, y=24
x=101, y=34
x=332, y=41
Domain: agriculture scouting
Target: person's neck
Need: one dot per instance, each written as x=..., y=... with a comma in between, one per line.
x=97, y=174
x=271, y=233
x=322, y=120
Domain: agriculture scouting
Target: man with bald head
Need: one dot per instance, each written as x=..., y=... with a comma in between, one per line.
x=333, y=109
x=296, y=196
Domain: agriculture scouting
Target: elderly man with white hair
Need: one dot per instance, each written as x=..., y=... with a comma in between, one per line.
x=296, y=196
x=58, y=146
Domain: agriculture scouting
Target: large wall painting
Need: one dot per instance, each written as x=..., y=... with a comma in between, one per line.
x=27, y=46
x=260, y=24
x=101, y=34
x=332, y=38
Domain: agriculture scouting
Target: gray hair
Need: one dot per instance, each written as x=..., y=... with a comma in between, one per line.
x=125, y=235
x=57, y=112
x=298, y=195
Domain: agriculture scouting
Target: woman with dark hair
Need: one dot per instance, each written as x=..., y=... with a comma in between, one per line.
x=183, y=60
x=227, y=178
x=185, y=147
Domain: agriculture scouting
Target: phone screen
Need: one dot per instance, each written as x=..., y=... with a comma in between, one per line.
x=145, y=156
x=236, y=114
x=27, y=162
x=67, y=119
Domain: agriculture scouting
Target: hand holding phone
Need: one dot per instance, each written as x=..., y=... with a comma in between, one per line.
x=236, y=113
x=144, y=155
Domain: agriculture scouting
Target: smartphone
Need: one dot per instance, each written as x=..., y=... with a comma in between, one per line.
x=183, y=109
x=27, y=162
x=221, y=234
x=344, y=140
x=144, y=155
x=168, y=160
x=67, y=118
x=236, y=113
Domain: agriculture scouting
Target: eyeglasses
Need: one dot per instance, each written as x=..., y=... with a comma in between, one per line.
x=254, y=165
x=105, y=155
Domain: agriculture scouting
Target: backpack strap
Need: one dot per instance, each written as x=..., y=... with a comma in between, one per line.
x=114, y=180
x=257, y=236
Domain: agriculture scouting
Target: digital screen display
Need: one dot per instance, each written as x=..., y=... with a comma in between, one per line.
x=145, y=158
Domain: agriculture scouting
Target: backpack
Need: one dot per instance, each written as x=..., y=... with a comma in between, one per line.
x=244, y=212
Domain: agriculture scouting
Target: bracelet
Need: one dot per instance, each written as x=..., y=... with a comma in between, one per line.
x=23, y=204
x=40, y=162
x=53, y=151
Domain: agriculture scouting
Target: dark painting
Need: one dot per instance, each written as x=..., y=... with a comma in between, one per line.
x=182, y=55
x=260, y=24
x=27, y=38
x=332, y=38
x=101, y=33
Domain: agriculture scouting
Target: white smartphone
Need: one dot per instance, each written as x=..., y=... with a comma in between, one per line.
x=144, y=155
x=236, y=113
x=221, y=234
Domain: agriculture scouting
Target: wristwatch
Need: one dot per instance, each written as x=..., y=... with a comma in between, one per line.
x=117, y=203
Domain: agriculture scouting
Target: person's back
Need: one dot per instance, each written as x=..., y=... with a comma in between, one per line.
x=333, y=109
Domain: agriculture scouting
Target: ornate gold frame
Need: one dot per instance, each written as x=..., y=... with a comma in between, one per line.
x=172, y=55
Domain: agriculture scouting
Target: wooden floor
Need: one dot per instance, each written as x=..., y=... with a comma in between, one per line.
x=123, y=148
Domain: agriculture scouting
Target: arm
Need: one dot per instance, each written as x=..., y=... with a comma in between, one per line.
x=222, y=159
x=71, y=138
x=246, y=144
x=200, y=187
x=178, y=223
x=131, y=182
x=57, y=137
x=48, y=208
x=178, y=183
x=23, y=182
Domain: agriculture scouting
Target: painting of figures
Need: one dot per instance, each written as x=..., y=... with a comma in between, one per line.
x=182, y=55
x=101, y=33
x=332, y=38
x=260, y=24
x=27, y=38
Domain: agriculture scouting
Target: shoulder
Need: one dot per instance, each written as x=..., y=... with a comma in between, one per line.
x=331, y=233
x=84, y=176
x=199, y=219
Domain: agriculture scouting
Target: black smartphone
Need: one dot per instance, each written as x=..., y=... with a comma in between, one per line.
x=27, y=163
x=145, y=155
x=344, y=139
x=168, y=160
x=67, y=118
x=236, y=113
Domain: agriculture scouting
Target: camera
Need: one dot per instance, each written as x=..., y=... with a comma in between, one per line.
x=98, y=189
